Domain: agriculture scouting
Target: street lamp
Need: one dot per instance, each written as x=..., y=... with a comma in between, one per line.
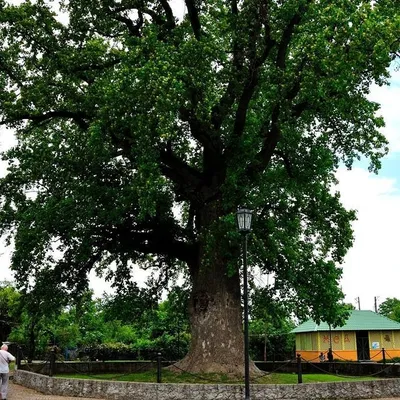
x=244, y=216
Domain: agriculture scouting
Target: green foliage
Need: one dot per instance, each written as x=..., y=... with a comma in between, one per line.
x=164, y=328
x=89, y=326
x=116, y=331
x=9, y=302
x=138, y=138
x=270, y=326
x=390, y=308
x=106, y=351
x=65, y=330
x=9, y=309
x=38, y=308
x=130, y=303
x=391, y=360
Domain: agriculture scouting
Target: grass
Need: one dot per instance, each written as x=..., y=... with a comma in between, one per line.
x=172, y=377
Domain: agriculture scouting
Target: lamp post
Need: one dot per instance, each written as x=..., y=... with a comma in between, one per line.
x=244, y=216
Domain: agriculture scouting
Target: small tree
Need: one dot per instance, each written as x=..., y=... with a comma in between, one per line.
x=390, y=308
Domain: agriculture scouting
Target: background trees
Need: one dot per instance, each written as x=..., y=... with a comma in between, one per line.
x=9, y=309
x=270, y=326
x=390, y=308
x=93, y=328
x=105, y=328
x=141, y=134
x=100, y=329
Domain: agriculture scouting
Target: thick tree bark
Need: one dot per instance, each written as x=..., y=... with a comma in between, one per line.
x=217, y=340
x=217, y=344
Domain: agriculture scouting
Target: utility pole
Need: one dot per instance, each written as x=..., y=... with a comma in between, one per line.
x=376, y=303
x=358, y=302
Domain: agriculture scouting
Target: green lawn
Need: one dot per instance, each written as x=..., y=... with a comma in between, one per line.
x=171, y=377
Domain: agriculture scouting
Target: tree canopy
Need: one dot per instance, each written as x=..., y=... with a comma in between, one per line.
x=139, y=135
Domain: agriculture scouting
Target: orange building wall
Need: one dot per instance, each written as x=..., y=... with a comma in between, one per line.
x=344, y=345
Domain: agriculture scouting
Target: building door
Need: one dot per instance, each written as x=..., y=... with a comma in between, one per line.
x=362, y=346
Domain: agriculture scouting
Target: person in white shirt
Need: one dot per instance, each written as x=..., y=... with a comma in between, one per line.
x=5, y=359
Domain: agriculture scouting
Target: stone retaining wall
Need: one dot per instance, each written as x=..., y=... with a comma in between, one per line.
x=152, y=391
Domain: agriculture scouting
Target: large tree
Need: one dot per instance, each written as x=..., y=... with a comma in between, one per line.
x=140, y=134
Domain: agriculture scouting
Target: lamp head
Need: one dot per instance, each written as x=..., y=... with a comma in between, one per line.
x=244, y=217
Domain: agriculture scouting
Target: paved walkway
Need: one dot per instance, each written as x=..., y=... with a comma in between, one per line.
x=18, y=392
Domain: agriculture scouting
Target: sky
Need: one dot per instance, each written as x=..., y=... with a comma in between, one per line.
x=371, y=267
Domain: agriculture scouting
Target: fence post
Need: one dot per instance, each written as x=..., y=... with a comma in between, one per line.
x=383, y=356
x=52, y=362
x=158, y=367
x=299, y=372
x=18, y=357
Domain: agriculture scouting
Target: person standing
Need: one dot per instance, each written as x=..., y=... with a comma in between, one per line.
x=5, y=359
x=330, y=355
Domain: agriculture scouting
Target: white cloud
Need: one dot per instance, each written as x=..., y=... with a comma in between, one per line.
x=7, y=140
x=388, y=97
x=371, y=266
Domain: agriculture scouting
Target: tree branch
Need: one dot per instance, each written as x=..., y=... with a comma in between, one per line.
x=234, y=7
x=187, y=178
x=156, y=17
x=201, y=132
x=153, y=236
x=287, y=36
x=10, y=72
x=252, y=80
x=190, y=220
x=134, y=29
x=286, y=162
x=220, y=110
x=159, y=243
x=299, y=108
x=194, y=18
x=168, y=12
x=140, y=8
x=271, y=140
x=78, y=117
x=273, y=134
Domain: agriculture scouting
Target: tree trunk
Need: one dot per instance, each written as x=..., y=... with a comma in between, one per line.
x=217, y=344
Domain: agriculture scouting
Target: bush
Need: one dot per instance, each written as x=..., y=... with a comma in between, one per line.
x=391, y=360
x=172, y=348
x=107, y=351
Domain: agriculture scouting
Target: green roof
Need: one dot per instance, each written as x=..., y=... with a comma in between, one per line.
x=358, y=321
